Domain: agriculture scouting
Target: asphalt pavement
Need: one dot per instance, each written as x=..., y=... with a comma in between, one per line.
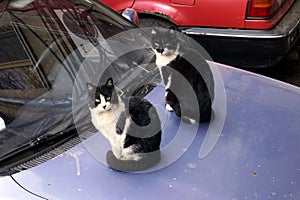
x=288, y=70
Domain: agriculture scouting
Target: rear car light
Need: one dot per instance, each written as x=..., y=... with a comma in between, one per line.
x=262, y=8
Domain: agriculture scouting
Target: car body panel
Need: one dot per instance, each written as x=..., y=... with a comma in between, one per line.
x=183, y=2
x=221, y=14
x=9, y=189
x=270, y=22
x=120, y=5
x=223, y=29
x=255, y=157
x=204, y=12
x=251, y=48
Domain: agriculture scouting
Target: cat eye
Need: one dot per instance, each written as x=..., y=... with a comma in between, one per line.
x=97, y=100
x=107, y=98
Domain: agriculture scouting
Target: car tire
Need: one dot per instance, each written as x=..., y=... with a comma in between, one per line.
x=155, y=22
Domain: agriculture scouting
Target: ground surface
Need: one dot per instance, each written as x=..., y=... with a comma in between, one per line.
x=288, y=70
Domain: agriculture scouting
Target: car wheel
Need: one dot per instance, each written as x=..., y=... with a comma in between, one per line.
x=155, y=22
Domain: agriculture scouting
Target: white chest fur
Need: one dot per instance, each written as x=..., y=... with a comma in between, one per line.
x=106, y=122
x=167, y=56
x=163, y=60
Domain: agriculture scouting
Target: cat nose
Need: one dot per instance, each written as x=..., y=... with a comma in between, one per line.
x=159, y=50
x=104, y=107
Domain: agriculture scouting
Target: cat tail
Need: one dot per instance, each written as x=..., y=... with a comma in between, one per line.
x=148, y=160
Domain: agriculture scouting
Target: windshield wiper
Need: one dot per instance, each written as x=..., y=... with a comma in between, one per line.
x=42, y=145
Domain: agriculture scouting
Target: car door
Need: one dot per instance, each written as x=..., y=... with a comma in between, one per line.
x=119, y=5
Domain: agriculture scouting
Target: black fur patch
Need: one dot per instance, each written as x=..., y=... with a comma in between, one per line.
x=148, y=160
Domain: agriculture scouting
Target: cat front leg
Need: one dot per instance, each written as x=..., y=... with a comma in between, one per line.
x=117, y=152
x=172, y=103
x=129, y=154
x=169, y=108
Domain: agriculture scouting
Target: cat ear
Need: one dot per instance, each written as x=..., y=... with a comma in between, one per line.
x=90, y=87
x=110, y=82
x=153, y=31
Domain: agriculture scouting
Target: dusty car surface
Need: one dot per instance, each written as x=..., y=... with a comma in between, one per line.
x=243, y=33
x=50, y=150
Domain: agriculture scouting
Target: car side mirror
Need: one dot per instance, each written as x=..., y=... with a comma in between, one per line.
x=131, y=15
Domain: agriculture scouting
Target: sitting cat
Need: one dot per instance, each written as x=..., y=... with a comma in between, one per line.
x=172, y=59
x=131, y=125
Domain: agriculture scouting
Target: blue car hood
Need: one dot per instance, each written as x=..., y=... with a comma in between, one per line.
x=256, y=154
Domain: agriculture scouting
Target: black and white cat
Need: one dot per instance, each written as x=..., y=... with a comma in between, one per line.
x=131, y=125
x=173, y=60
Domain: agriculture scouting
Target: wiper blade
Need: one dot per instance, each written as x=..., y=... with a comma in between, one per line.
x=43, y=151
x=45, y=138
x=42, y=148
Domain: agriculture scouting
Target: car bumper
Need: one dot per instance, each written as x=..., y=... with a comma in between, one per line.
x=250, y=48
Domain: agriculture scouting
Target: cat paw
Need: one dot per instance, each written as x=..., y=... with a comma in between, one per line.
x=169, y=108
x=188, y=120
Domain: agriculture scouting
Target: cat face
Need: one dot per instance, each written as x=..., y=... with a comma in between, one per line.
x=164, y=43
x=102, y=97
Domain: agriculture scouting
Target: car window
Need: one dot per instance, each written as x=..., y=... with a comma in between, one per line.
x=46, y=49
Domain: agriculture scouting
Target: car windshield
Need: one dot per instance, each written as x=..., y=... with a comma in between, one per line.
x=48, y=51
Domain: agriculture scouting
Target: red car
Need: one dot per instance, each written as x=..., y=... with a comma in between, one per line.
x=244, y=33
